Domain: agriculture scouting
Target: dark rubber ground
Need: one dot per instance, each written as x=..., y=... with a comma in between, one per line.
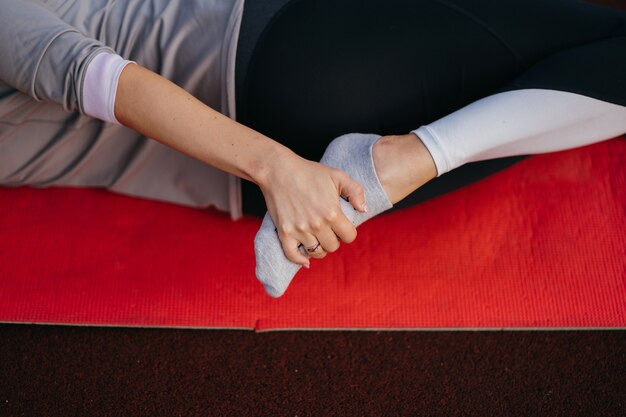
x=72, y=371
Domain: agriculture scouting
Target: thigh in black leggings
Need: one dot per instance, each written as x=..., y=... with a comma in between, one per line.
x=311, y=70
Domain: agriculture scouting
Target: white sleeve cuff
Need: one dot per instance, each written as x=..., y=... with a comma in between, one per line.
x=100, y=86
x=520, y=122
x=436, y=149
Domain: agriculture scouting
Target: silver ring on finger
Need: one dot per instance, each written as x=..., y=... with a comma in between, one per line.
x=313, y=248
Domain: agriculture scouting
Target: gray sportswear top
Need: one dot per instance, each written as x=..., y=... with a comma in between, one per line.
x=45, y=138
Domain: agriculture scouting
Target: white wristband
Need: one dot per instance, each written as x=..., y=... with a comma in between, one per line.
x=100, y=86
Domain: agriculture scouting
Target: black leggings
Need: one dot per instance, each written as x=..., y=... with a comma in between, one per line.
x=308, y=71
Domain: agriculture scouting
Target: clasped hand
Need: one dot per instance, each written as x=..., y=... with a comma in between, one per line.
x=302, y=197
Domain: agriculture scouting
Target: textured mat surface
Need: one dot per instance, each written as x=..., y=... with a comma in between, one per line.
x=540, y=244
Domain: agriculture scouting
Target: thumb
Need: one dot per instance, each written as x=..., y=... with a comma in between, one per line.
x=352, y=192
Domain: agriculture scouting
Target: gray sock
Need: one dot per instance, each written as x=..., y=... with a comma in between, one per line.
x=351, y=153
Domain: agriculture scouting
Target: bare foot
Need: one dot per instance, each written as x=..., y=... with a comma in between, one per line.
x=403, y=164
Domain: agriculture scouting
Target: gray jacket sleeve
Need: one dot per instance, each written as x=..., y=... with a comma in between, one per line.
x=41, y=55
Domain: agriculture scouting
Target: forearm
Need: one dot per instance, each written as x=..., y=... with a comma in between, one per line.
x=157, y=108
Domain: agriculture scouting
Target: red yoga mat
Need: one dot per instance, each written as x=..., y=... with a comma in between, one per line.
x=541, y=244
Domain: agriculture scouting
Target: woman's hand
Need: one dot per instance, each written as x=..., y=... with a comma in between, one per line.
x=302, y=198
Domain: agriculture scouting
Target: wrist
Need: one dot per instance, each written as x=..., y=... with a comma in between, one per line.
x=270, y=163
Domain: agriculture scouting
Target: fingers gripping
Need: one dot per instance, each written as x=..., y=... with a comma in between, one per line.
x=291, y=246
x=351, y=191
x=313, y=247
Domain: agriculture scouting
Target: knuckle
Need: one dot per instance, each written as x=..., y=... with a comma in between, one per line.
x=285, y=228
x=316, y=224
x=340, y=175
x=350, y=238
x=291, y=254
x=301, y=227
x=333, y=247
x=331, y=215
